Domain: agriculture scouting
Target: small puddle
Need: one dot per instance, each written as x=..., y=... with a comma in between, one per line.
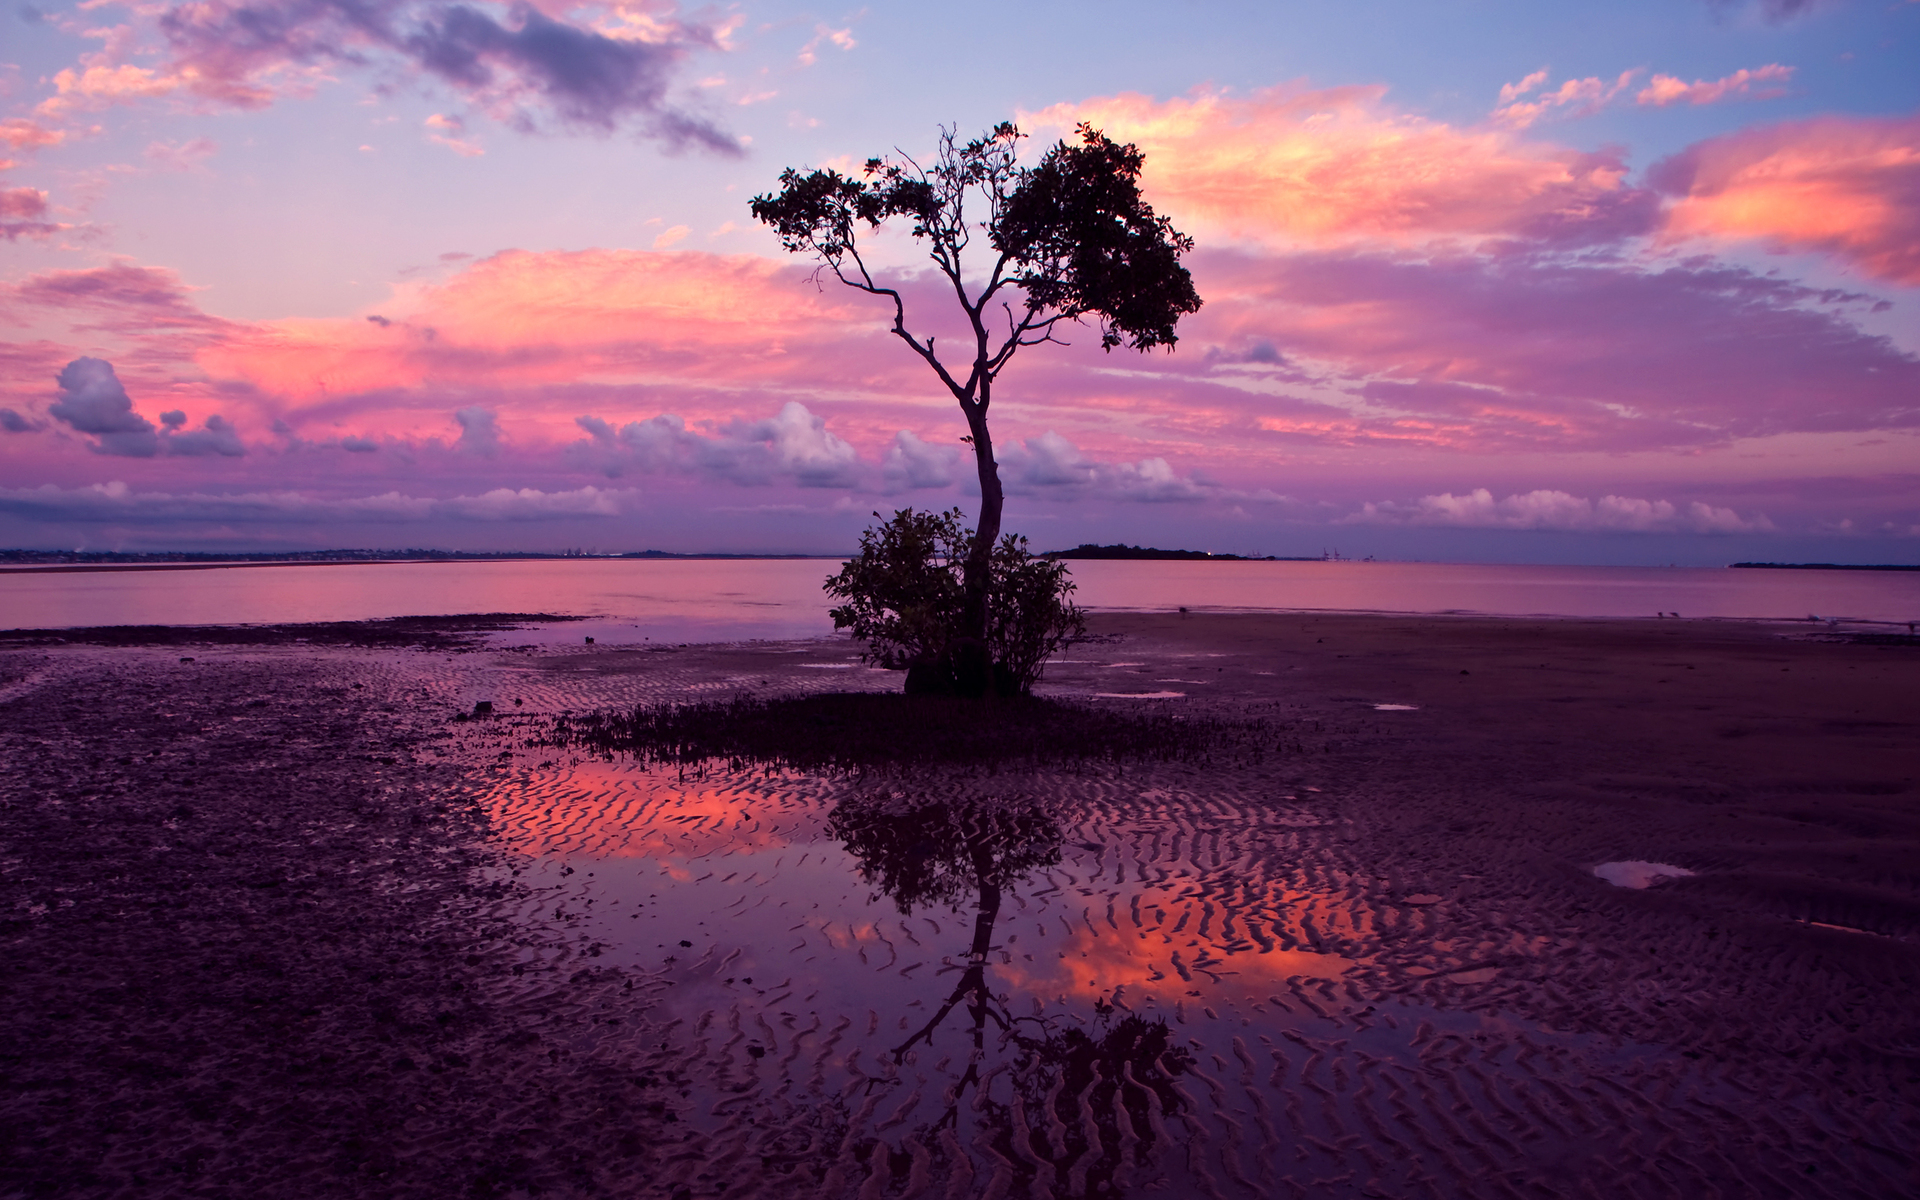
x=1637, y=874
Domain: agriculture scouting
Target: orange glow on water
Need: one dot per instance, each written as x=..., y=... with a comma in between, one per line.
x=1147, y=961
x=617, y=810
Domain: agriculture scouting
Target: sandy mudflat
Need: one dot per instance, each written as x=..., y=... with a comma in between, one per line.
x=265, y=937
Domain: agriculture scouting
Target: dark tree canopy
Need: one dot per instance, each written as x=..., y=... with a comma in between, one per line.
x=1073, y=234
x=1068, y=239
x=1085, y=242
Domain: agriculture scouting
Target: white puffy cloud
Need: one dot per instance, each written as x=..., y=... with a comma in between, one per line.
x=1151, y=479
x=531, y=504
x=797, y=443
x=793, y=445
x=1561, y=511
x=216, y=436
x=1047, y=461
x=912, y=463
x=1052, y=464
x=479, y=432
x=93, y=401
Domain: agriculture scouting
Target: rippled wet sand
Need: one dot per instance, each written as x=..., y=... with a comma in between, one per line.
x=831, y=1039
x=1377, y=962
x=1370, y=982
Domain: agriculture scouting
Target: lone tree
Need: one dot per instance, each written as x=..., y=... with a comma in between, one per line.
x=1068, y=239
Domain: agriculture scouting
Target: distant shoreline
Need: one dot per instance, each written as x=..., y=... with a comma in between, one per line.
x=1823, y=566
x=1088, y=552
x=14, y=562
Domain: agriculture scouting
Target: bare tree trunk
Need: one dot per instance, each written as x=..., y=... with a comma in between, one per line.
x=974, y=584
x=989, y=911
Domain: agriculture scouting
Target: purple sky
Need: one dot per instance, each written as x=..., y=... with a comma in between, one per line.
x=1491, y=281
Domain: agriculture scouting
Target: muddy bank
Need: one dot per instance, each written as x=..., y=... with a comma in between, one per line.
x=248, y=952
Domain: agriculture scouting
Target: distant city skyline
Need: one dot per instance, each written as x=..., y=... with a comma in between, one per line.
x=1483, y=281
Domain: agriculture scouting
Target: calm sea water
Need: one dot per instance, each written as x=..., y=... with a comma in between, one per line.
x=691, y=600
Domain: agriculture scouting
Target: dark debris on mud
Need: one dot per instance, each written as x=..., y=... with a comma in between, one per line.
x=433, y=633
x=859, y=731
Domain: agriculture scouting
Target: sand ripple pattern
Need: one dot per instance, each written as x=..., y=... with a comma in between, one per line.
x=1329, y=1029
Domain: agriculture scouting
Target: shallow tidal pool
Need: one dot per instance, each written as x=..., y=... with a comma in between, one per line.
x=1054, y=985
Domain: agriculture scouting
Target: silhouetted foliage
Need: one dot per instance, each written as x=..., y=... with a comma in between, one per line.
x=1069, y=238
x=867, y=730
x=902, y=597
x=934, y=852
x=1085, y=242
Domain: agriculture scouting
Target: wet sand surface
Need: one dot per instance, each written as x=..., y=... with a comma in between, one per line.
x=249, y=954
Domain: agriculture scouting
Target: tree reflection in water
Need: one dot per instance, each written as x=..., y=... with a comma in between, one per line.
x=1080, y=1102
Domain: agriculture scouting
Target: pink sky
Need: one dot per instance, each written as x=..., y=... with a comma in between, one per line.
x=1660, y=311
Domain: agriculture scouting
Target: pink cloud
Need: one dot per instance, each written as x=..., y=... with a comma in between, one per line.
x=448, y=131
x=1663, y=90
x=843, y=38
x=1521, y=351
x=524, y=319
x=544, y=368
x=537, y=66
x=1337, y=166
x=99, y=84
x=121, y=299
x=20, y=133
x=184, y=156
x=22, y=203
x=1580, y=97
x=1509, y=92
x=142, y=319
x=14, y=230
x=1847, y=186
x=20, y=213
x=533, y=340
